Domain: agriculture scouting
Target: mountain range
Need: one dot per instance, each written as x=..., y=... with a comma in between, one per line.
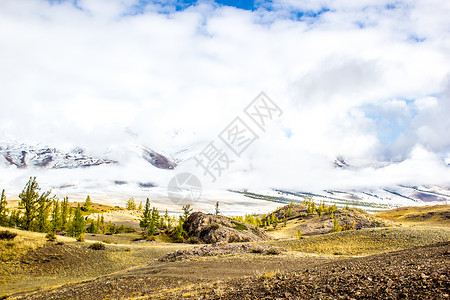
x=28, y=157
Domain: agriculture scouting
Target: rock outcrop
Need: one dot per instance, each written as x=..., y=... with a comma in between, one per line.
x=209, y=228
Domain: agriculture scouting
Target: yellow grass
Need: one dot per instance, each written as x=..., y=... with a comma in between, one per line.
x=21, y=264
x=366, y=241
x=418, y=215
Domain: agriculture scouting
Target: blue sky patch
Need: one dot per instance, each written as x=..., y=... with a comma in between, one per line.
x=390, y=122
x=242, y=4
x=416, y=39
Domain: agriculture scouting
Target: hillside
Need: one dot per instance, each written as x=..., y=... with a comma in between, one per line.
x=310, y=222
x=29, y=262
x=435, y=215
x=391, y=261
x=417, y=273
x=218, y=272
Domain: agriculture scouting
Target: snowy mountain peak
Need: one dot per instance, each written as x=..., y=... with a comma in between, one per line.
x=158, y=160
x=27, y=156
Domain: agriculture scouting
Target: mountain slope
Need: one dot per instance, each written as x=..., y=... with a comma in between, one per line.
x=26, y=156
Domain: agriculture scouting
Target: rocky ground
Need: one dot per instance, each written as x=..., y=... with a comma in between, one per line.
x=371, y=263
x=221, y=248
x=418, y=273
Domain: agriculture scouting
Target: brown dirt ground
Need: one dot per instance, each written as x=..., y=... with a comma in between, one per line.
x=328, y=271
x=159, y=276
x=416, y=273
x=54, y=264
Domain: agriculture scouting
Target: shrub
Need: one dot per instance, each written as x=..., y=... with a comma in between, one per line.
x=51, y=236
x=97, y=246
x=107, y=241
x=146, y=236
x=81, y=238
x=299, y=233
x=7, y=235
x=239, y=226
x=151, y=238
x=336, y=226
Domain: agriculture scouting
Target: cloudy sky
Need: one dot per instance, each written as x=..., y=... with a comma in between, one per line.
x=366, y=80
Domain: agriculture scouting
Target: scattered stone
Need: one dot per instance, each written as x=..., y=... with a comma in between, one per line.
x=220, y=248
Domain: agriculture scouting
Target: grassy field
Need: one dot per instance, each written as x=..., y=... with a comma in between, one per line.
x=29, y=262
x=366, y=241
x=129, y=268
x=436, y=215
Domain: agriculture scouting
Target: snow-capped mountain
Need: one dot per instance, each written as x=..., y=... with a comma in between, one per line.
x=133, y=169
x=161, y=161
x=27, y=156
x=339, y=162
x=370, y=198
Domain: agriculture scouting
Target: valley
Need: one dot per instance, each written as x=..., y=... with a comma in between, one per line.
x=412, y=259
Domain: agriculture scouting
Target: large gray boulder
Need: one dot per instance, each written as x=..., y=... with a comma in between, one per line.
x=215, y=228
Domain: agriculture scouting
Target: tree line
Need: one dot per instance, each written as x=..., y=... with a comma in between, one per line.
x=153, y=223
x=42, y=212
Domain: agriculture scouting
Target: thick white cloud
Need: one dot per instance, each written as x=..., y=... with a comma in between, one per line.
x=88, y=75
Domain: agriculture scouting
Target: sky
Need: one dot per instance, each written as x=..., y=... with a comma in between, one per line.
x=365, y=80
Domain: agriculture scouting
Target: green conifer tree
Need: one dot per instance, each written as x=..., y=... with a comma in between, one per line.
x=179, y=233
x=320, y=210
x=92, y=227
x=272, y=219
x=3, y=209
x=146, y=215
x=98, y=224
x=14, y=218
x=44, y=204
x=186, y=212
x=78, y=223
x=336, y=226
x=87, y=206
x=131, y=205
x=56, y=216
x=65, y=213
x=152, y=227
x=167, y=219
x=102, y=224
x=155, y=217
x=275, y=223
x=28, y=199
